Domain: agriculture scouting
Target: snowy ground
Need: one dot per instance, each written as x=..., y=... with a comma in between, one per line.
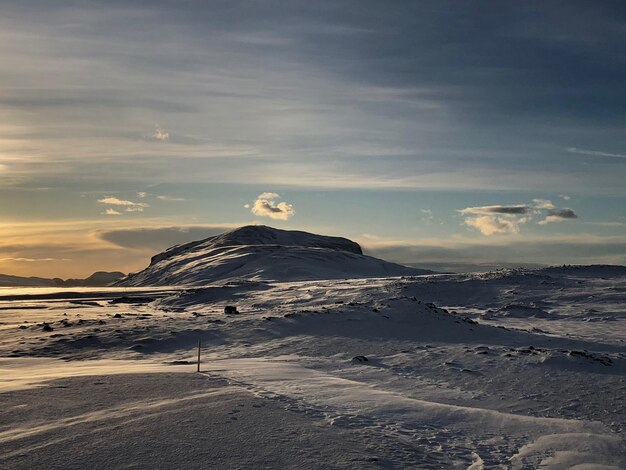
x=516, y=369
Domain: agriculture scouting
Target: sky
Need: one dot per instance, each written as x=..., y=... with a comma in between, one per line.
x=443, y=134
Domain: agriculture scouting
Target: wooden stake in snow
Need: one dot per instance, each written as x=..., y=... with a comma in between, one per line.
x=199, y=346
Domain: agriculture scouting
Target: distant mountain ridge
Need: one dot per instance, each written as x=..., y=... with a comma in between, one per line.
x=97, y=279
x=258, y=252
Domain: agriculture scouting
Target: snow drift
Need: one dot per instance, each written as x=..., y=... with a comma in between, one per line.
x=258, y=252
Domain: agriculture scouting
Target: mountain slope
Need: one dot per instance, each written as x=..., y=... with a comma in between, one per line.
x=7, y=280
x=97, y=279
x=258, y=252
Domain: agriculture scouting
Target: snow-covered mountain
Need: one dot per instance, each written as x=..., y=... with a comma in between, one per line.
x=257, y=252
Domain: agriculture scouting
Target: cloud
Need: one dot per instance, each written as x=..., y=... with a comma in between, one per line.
x=266, y=206
x=490, y=220
x=427, y=216
x=330, y=86
x=268, y=196
x=160, y=238
x=566, y=198
x=142, y=194
x=543, y=204
x=492, y=224
x=34, y=260
x=595, y=153
x=129, y=206
x=160, y=135
x=77, y=240
x=488, y=210
x=563, y=213
x=171, y=198
x=558, y=215
x=607, y=224
x=113, y=201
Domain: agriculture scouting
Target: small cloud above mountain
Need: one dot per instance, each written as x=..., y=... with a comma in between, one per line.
x=267, y=206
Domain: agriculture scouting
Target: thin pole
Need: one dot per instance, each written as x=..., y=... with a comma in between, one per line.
x=199, y=346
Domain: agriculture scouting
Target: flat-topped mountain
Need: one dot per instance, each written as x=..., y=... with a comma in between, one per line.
x=257, y=252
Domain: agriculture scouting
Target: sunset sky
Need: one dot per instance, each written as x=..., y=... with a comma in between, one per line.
x=442, y=133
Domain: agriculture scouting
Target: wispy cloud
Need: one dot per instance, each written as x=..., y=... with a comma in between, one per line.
x=595, y=153
x=427, y=216
x=266, y=206
x=171, y=198
x=543, y=204
x=113, y=201
x=607, y=224
x=268, y=195
x=129, y=206
x=110, y=211
x=304, y=104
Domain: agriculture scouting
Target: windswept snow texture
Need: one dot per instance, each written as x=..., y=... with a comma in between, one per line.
x=516, y=369
x=258, y=252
